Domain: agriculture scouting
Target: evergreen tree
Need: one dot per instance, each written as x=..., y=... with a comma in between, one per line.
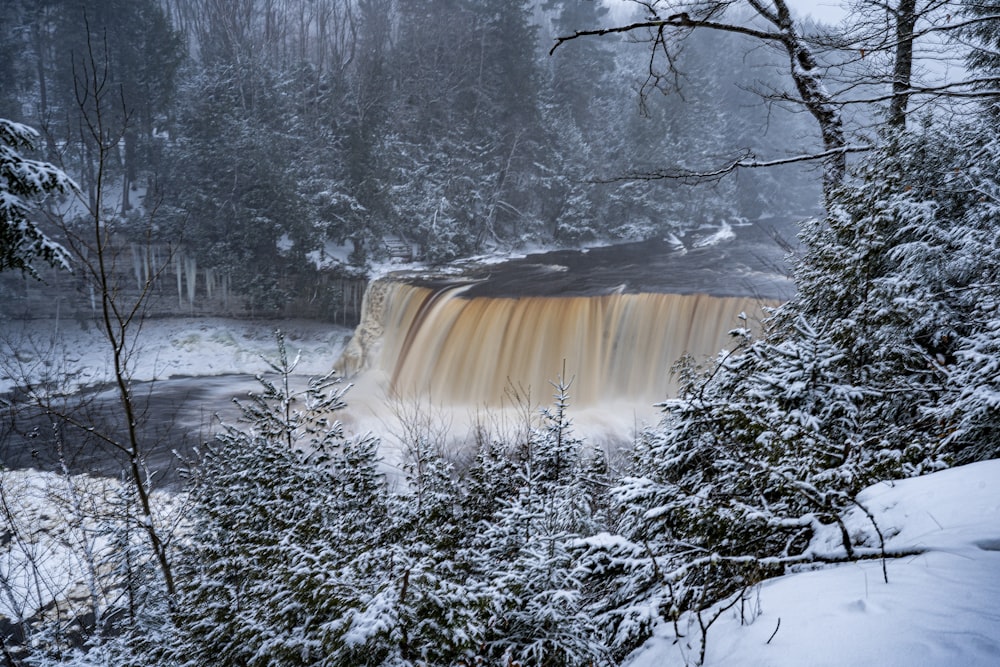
x=583, y=82
x=233, y=199
x=22, y=180
x=983, y=33
x=852, y=383
x=467, y=124
x=283, y=563
x=365, y=127
x=137, y=55
x=963, y=245
x=439, y=598
x=536, y=588
x=581, y=92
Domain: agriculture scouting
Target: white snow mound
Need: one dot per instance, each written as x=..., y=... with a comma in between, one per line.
x=941, y=607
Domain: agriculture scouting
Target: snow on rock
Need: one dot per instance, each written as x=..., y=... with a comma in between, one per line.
x=941, y=607
x=55, y=540
x=723, y=234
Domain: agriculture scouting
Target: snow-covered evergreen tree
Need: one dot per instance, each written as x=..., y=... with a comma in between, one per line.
x=23, y=183
x=438, y=599
x=964, y=238
x=880, y=367
x=536, y=589
x=283, y=564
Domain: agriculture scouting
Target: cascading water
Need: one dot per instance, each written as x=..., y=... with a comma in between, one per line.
x=436, y=342
x=477, y=347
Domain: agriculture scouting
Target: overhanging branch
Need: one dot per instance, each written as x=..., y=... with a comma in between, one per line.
x=746, y=161
x=680, y=21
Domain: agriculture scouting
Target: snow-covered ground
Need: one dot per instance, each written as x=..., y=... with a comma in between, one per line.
x=63, y=356
x=940, y=607
x=56, y=542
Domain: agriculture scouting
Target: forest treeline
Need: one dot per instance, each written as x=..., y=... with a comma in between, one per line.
x=260, y=131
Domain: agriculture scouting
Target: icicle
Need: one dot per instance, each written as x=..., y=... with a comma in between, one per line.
x=180, y=286
x=192, y=278
x=136, y=265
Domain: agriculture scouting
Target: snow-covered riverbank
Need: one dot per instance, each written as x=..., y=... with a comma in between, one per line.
x=63, y=356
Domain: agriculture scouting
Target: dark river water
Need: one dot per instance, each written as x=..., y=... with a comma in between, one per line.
x=176, y=416
x=742, y=260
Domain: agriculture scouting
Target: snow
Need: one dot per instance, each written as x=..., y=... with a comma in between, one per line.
x=48, y=559
x=939, y=607
x=723, y=234
x=55, y=539
x=499, y=255
x=62, y=356
x=330, y=255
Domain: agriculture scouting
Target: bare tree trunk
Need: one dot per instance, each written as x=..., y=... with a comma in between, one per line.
x=775, y=27
x=43, y=95
x=906, y=21
x=817, y=99
x=120, y=320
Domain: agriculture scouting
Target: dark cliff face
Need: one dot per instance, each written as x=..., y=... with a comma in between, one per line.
x=738, y=261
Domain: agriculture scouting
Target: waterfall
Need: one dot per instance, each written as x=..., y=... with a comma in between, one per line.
x=466, y=351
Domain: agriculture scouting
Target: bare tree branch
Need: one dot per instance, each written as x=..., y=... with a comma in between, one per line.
x=805, y=69
x=746, y=161
x=682, y=20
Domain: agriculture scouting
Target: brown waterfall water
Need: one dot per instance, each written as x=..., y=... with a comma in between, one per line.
x=438, y=344
x=616, y=319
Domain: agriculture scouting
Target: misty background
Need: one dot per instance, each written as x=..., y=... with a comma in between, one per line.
x=273, y=146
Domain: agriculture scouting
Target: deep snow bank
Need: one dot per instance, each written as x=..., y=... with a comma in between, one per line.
x=941, y=607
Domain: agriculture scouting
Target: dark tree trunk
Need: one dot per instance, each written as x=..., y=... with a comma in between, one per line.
x=906, y=20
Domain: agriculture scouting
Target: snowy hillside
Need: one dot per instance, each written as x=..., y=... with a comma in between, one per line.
x=940, y=607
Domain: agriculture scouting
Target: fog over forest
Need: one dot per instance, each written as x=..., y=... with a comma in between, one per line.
x=268, y=136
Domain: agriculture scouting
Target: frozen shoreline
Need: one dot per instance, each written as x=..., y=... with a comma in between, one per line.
x=63, y=357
